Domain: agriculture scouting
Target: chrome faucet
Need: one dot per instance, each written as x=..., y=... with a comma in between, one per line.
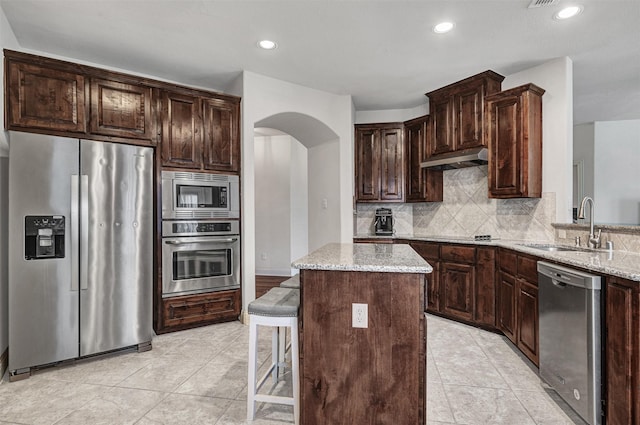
x=594, y=241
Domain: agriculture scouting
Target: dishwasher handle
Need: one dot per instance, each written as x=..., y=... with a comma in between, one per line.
x=558, y=283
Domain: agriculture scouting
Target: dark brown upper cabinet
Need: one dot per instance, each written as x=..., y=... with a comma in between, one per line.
x=194, y=129
x=181, y=130
x=513, y=129
x=457, y=111
x=422, y=185
x=44, y=98
x=379, y=162
x=221, y=135
x=121, y=110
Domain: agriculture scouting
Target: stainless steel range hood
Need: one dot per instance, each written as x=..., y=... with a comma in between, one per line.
x=459, y=159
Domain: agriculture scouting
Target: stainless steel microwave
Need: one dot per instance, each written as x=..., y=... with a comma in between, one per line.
x=200, y=195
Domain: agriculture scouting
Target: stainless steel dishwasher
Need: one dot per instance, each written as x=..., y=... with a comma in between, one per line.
x=570, y=348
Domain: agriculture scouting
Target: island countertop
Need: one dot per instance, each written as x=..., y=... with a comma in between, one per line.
x=391, y=258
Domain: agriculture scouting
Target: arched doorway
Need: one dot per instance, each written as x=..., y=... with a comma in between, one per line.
x=297, y=204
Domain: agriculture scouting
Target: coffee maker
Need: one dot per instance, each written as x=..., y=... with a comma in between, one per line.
x=383, y=222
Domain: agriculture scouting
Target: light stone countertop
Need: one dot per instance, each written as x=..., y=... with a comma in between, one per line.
x=389, y=258
x=616, y=263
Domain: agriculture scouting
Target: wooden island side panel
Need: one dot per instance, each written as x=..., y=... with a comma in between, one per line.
x=352, y=375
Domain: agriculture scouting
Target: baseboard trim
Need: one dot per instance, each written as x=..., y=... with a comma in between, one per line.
x=4, y=362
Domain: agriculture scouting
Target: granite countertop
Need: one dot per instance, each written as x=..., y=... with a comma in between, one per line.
x=616, y=263
x=364, y=258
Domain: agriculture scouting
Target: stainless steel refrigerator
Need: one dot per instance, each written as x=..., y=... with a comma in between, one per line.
x=80, y=249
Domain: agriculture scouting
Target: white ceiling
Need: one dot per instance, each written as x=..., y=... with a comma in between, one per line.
x=383, y=53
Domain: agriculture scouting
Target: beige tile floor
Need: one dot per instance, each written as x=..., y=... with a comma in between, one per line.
x=198, y=376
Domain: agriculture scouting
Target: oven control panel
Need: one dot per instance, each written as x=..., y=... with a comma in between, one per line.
x=199, y=228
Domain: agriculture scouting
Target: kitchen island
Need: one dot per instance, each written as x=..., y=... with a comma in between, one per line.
x=362, y=335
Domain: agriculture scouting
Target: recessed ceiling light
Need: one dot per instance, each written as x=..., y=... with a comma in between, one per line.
x=568, y=12
x=267, y=44
x=443, y=27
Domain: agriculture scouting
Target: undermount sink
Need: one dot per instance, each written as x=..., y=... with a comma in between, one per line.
x=552, y=248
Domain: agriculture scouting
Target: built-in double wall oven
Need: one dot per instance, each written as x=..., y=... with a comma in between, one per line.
x=200, y=233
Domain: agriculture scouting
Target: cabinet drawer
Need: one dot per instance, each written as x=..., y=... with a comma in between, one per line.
x=204, y=308
x=457, y=253
x=527, y=269
x=428, y=251
x=508, y=261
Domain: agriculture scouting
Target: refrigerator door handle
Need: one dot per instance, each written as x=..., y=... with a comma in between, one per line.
x=84, y=231
x=74, y=232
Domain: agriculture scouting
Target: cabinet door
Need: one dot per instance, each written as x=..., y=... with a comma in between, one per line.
x=433, y=288
x=506, y=308
x=392, y=167
x=485, y=304
x=367, y=164
x=45, y=98
x=442, y=129
x=415, y=139
x=456, y=289
x=504, y=127
x=468, y=109
x=181, y=131
x=622, y=352
x=422, y=185
x=221, y=135
x=121, y=110
x=527, y=314
x=513, y=121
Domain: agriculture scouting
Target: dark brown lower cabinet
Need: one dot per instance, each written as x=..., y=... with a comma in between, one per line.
x=431, y=253
x=373, y=375
x=485, y=286
x=506, y=306
x=622, y=352
x=457, y=288
x=517, y=301
x=189, y=310
x=527, y=305
x=462, y=285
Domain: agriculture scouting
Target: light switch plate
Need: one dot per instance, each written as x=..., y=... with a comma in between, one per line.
x=359, y=315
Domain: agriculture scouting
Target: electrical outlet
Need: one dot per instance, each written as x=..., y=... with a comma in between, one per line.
x=359, y=315
x=263, y=256
x=325, y=203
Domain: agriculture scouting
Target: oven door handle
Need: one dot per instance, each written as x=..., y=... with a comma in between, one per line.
x=230, y=240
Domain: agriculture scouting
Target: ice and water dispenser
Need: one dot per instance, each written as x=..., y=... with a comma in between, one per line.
x=43, y=237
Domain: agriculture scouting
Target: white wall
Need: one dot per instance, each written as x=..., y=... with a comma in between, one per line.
x=273, y=211
x=324, y=177
x=7, y=41
x=299, y=201
x=616, y=172
x=392, y=115
x=583, y=149
x=556, y=77
x=264, y=97
x=281, y=204
x=4, y=254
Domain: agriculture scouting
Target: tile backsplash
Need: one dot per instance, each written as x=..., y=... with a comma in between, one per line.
x=467, y=211
x=624, y=238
